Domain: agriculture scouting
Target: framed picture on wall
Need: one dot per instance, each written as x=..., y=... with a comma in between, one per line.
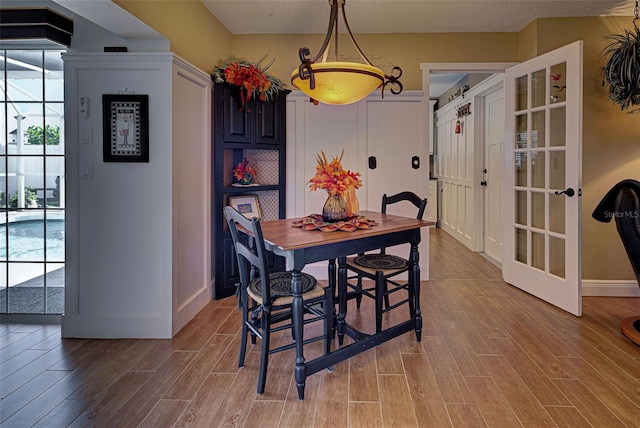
x=125, y=123
x=247, y=205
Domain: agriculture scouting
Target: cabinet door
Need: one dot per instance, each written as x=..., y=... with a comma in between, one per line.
x=236, y=125
x=269, y=122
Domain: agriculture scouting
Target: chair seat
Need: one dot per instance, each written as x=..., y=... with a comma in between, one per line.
x=371, y=263
x=281, y=291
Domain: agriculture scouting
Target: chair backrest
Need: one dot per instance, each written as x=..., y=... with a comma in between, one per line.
x=622, y=202
x=419, y=203
x=251, y=259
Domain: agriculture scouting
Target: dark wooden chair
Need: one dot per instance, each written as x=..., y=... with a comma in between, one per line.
x=622, y=202
x=265, y=298
x=382, y=268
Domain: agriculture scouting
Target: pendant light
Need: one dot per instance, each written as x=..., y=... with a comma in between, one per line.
x=337, y=82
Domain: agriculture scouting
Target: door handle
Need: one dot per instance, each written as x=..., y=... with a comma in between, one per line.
x=483, y=183
x=569, y=192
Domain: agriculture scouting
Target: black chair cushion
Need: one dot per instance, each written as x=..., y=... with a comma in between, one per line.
x=281, y=284
x=381, y=261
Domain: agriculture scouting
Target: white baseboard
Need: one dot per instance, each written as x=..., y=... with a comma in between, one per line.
x=610, y=288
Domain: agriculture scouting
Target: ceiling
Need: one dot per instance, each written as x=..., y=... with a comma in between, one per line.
x=365, y=16
x=403, y=16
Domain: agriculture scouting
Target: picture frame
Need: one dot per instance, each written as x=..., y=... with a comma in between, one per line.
x=125, y=120
x=247, y=205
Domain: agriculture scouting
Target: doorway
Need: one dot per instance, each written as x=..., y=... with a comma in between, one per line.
x=463, y=199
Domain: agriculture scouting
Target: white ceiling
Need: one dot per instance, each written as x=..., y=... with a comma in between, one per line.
x=403, y=16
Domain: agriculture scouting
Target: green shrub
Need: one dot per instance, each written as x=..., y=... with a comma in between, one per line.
x=38, y=135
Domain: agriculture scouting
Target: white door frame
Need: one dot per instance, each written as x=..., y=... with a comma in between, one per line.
x=481, y=161
x=467, y=67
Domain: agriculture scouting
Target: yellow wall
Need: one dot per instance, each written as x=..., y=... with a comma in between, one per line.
x=527, y=41
x=611, y=149
x=610, y=140
x=384, y=50
x=194, y=34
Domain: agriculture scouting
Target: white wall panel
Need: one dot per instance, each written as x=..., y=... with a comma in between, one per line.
x=391, y=130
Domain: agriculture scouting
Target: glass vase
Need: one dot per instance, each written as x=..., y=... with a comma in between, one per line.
x=334, y=209
x=246, y=179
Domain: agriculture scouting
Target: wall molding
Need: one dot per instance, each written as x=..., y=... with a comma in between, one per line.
x=610, y=288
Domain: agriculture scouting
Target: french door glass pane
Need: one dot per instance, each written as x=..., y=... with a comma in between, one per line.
x=556, y=256
x=557, y=126
x=538, y=88
x=54, y=184
x=3, y=184
x=520, y=165
x=55, y=288
x=521, y=245
x=537, y=169
x=557, y=170
x=54, y=128
x=521, y=93
x=25, y=119
x=54, y=78
x=556, y=213
x=24, y=83
x=3, y=282
x=537, y=129
x=558, y=79
x=521, y=207
x=522, y=135
x=26, y=288
x=537, y=210
x=3, y=129
x=537, y=250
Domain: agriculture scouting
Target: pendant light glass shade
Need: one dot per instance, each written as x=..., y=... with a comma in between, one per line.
x=339, y=83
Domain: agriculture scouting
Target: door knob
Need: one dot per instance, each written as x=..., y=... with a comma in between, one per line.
x=483, y=183
x=569, y=192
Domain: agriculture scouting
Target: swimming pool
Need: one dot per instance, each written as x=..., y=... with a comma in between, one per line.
x=27, y=240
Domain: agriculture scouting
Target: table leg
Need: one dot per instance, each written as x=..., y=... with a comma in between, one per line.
x=342, y=297
x=333, y=287
x=297, y=319
x=415, y=274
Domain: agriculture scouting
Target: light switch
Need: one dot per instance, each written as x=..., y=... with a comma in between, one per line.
x=87, y=135
x=87, y=171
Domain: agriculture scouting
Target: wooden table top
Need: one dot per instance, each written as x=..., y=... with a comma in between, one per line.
x=282, y=234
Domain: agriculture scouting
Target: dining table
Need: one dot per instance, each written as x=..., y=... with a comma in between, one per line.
x=301, y=247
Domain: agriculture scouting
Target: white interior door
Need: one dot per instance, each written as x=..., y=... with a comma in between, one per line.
x=396, y=140
x=542, y=181
x=492, y=177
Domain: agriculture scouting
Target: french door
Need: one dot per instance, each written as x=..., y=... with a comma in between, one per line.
x=542, y=177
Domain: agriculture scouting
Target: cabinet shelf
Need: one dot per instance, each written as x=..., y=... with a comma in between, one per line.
x=250, y=189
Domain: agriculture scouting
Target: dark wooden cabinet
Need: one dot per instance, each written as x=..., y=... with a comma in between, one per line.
x=257, y=132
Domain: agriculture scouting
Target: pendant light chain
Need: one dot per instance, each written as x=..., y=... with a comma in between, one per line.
x=637, y=10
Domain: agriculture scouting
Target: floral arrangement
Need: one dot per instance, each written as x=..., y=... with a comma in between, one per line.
x=332, y=177
x=250, y=77
x=244, y=173
x=336, y=181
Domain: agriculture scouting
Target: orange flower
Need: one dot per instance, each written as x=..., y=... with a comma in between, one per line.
x=243, y=169
x=332, y=177
x=248, y=77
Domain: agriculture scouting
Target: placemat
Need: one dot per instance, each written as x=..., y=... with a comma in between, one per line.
x=315, y=221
